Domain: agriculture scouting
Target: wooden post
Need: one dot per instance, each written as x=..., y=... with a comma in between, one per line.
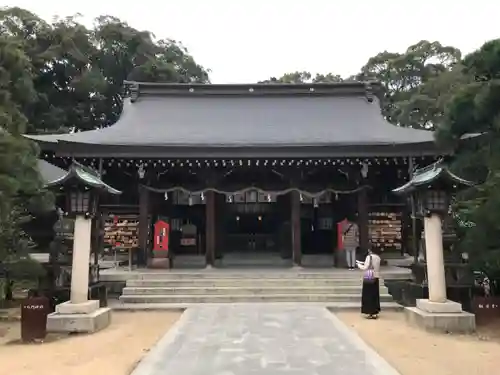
x=364, y=241
x=414, y=232
x=296, y=229
x=98, y=241
x=143, y=251
x=210, y=227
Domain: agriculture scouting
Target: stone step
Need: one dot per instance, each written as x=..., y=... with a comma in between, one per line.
x=334, y=306
x=268, y=282
x=243, y=274
x=235, y=298
x=165, y=290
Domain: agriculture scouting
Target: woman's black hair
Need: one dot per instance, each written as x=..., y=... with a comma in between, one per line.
x=375, y=250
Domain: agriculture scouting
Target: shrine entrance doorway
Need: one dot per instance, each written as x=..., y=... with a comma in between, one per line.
x=256, y=230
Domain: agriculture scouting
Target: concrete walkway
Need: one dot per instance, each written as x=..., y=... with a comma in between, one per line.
x=261, y=339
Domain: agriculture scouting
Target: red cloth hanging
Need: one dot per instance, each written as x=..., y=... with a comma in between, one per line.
x=161, y=236
x=340, y=234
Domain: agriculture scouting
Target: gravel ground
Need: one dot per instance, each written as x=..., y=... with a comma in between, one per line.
x=415, y=352
x=113, y=351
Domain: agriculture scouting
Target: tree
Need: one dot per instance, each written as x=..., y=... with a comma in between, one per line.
x=411, y=83
x=474, y=109
x=417, y=84
x=20, y=184
x=60, y=77
x=78, y=73
x=305, y=77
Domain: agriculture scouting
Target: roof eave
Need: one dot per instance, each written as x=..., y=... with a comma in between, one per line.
x=436, y=171
x=81, y=176
x=74, y=149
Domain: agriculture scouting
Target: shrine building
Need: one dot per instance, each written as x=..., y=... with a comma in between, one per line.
x=249, y=174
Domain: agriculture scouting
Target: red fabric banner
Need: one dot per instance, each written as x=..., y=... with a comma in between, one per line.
x=161, y=236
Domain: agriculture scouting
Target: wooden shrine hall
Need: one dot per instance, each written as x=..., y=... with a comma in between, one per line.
x=249, y=172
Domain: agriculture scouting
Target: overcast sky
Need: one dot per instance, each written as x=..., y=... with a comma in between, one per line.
x=251, y=40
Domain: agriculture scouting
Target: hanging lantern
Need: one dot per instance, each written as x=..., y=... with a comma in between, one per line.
x=364, y=170
x=141, y=171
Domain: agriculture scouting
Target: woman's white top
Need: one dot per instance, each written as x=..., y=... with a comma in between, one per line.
x=375, y=264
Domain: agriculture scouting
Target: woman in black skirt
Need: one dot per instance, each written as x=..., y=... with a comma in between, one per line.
x=370, y=297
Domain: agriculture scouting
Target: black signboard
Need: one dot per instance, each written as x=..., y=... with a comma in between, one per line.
x=34, y=313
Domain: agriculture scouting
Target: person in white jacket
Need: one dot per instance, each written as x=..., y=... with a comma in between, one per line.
x=370, y=295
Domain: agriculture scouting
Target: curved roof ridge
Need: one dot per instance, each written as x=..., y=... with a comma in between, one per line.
x=369, y=89
x=245, y=121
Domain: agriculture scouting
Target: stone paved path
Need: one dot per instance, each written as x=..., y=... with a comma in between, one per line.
x=261, y=339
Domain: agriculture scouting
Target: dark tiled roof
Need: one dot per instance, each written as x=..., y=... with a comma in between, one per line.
x=250, y=116
x=429, y=175
x=83, y=175
x=50, y=172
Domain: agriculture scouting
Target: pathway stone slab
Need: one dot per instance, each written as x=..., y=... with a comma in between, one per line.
x=261, y=339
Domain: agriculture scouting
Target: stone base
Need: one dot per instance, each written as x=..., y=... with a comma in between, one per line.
x=79, y=323
x=447, y=307
x=159, y=263
x=86, y=307
x=443, y=322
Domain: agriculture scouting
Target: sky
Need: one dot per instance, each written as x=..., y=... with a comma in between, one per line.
x=245, y=41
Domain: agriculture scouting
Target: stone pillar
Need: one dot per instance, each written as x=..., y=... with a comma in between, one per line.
x=79, y=314
x=435, y=258
x=437, y=313
x=81, y=259
x=296, y=228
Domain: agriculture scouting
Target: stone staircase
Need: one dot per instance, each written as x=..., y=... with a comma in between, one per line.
x=340, y=289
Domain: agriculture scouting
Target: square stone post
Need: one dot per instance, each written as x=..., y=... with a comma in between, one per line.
x=80, y=314
x=80, y=263
x=437, y=313
x=435, y=259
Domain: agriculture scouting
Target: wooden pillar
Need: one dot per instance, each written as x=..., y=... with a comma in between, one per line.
x=143, y=253
x=364, y=240
x=414, y=230
x=210, y=227
x=98, y=243
x=296, y=228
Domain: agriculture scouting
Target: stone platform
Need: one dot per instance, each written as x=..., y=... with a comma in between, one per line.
x=124, y=274
x=332, y=288
x=261, y=339
x=85, y=317
x=446, y=317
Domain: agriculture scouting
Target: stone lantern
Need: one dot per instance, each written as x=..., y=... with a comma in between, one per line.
x=431, y=188
x=82, y=187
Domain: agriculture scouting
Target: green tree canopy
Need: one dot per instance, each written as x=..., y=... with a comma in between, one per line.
x=20, y=183
x=417, y=83
x=474, y=108
x=78, y=73
x=305, y=77
x=61, y=76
